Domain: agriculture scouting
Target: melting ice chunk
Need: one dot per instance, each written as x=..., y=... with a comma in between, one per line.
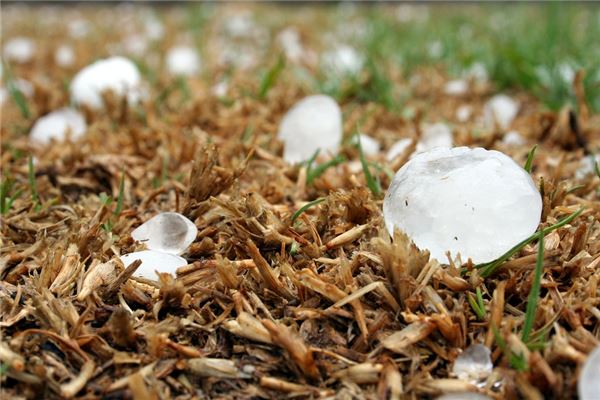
x=500, y=109
x=473, y=201
x=183, y=60
x=117, y=74
x=313, y=123
x=153, y=261
x=168, y=232
x=588, y=386
x=473, y=364
x=56, y=125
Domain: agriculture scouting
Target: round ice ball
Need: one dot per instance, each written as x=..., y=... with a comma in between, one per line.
x=475, y=202
x=313, y=123
x=116, y=74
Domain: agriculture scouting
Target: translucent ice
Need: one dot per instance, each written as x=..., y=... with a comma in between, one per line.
x=473, y=364
x=500, y=109
x=183, y=60
x=313, y=123
x=19, y=49
x=153, y=261
x=473, y=201
x=117, y=74
x=588, y=386
x=56, y=125
x=168, y=232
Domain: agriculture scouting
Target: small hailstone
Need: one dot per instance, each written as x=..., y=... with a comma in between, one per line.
x=240, y=25
x=153, y=261
x=220, y=89
x=343, y=59
x=513, y=138
x=456, y=87
x=168, y=232
x=434, y=135
x=117, y=74
x=289, y=39
x=463, y=113
x=566, y=72
x=78, y=28
x=154, y=28
x=136, y=44
x=463, y=396
x=477, y=71
x=64, y=56
x=56, y=125
x=473, y=364
x=19, y=49
x=370, y=146
x=475, y=202
x=586, y=166
x=397, y=148
x=313, y=123
x=501, y=109
x=588, y=386
x=183, y=60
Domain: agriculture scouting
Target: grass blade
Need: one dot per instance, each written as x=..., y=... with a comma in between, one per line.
x=313, y=173
x=121, y=194
x=372, y=183
x=270, y=77
x=535, y=291
x=529, y=161
x=306, y=207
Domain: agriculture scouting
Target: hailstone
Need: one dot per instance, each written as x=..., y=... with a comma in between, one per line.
x=183, y=60
x=313, y=123
x=398, y=148
x=475, y=202
x=153, y=261
x=500, y=109
x=19, y=49
x=473, y=364
x=434, y=135
x=117, y=74
x=370, y=146
x=588, y=386
x=343, y=59
x=168, y=232
x=64, y=56
x=56, y=125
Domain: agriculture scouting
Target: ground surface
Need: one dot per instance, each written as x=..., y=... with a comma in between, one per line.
x=325, y=305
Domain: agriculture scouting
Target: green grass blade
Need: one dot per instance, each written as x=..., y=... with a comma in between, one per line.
x=268, y=81
x=121, y=194
x=479, y=311
x=317, y=171
x=529, y=162
x=372, y=183
x=306, y=207
x=535, y=291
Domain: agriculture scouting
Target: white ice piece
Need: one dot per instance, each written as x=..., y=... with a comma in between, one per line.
x=64, y=56
x=463, y=113
x=313, y=123
x=370, y=146
x=19, y=49
x=588, y=386
x=343, y=59
x=153, y=261
x=473, y=364
x=183, y=60
x=434, y=135
x=117, y=74
x=78, y=28
x=456, y=87
x=475, y=202
x=168, y=232
x=57, y=125
x=513, y=138
x=398, y=148
x=501, y=109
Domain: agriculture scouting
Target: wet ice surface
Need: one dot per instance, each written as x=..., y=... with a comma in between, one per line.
x=116, y=74
x=475, y=202
x=313, y=123
x=57, y=125
x=588, y=386
x=153, y=261
x=183, y=60
x=473, y=364
x=167, y=232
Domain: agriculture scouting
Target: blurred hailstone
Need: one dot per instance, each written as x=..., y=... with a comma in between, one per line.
x=78, y=28
x=64, y=56
x=19, y=49
x=116, y=74
x=343, y=59
x=587, y=167
x=513, y=138
x=135, y=44
x=500, y=109
x=463, y=113
x=57, y=125
x=398, y=148
x=313, y=123
x=370, y=146
x=183, y=60
x=456, y=87
x=289, y=40
x=434, y=135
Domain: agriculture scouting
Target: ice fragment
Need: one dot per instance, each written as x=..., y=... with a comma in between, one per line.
x=153, y=261
x=473, y=364
x=168, y=232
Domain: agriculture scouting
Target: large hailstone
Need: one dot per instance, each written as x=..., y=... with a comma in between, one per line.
x=183, y=60
x=475, y=202
x=116, y=74
x=56, y=125
x=313, y=123
x=19, y=49
x=153, y=261
x=168, y=232
x=588, y=386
